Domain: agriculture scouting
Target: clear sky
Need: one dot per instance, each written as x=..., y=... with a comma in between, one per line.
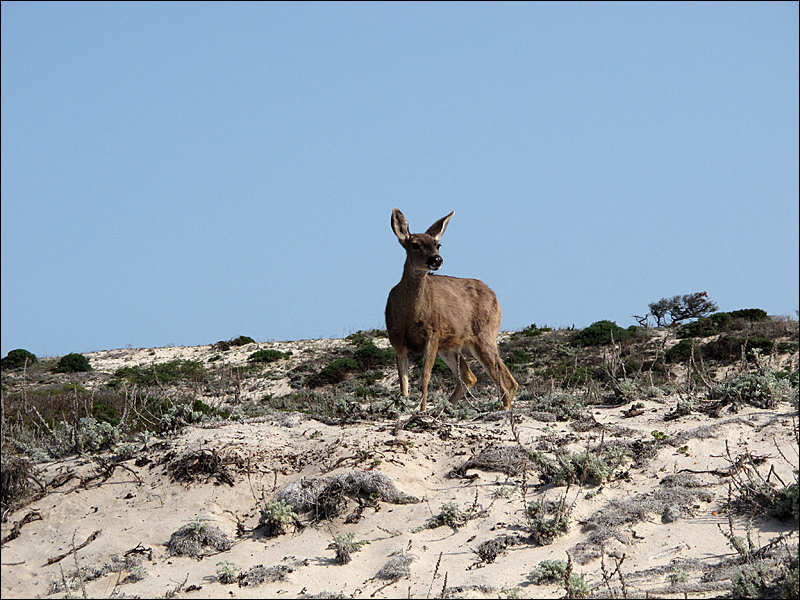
x=180, y=174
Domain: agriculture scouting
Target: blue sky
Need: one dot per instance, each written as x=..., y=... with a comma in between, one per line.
x=180, y=174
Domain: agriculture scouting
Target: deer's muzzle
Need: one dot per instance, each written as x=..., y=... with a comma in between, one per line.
x=434, y=262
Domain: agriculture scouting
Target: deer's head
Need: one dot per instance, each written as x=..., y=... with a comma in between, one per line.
x=422, y=249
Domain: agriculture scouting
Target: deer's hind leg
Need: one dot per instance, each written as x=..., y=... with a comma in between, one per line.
x=465, y=378
x=490, y=360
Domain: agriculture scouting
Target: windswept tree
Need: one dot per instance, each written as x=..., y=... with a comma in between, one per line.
x=671, y=311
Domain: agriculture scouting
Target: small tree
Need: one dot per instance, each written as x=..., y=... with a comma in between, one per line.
x=671, y=311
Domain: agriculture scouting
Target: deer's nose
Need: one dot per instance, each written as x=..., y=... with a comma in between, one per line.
x=434, y=262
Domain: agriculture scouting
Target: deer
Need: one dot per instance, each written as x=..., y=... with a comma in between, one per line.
x=440, y=315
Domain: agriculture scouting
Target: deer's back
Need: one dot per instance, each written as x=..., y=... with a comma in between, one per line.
x=455, y=309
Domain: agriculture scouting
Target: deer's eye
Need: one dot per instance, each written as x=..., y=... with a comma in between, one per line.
x=414, y=246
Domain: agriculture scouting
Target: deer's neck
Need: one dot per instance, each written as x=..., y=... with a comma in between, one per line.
x=413, y=279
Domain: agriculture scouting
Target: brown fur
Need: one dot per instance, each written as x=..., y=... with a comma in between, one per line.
x=448, y=316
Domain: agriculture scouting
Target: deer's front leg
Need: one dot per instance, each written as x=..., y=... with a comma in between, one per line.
x=431, y=348
x=402, y=370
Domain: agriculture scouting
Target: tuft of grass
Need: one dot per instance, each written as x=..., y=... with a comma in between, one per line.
x=345, y=545
x=449, y=514
x=227, y=572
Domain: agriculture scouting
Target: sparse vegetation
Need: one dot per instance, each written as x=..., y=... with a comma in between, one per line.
x=164, y=373
x=581, y=426
x=450, y=514
x=560, y=571
x=547, y=520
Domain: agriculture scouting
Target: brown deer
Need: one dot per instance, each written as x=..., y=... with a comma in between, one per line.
x=435, y=314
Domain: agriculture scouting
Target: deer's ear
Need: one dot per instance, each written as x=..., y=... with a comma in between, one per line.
x=400, y=225
x=436, y=231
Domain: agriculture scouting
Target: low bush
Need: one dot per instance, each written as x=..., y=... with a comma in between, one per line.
x=729, y=348
x=192, y=538
x=73, y=363
x=547, y=520
x=762, y=391
x=277, y=517
x=345, y=545
x=753, y=315
x=369, y=356
x=601, y=333
x=168, y=372
x=706, y=326
x=242, y=340
x=268, y=356
x=335, y=372
x=16, y=359
x=680, y=352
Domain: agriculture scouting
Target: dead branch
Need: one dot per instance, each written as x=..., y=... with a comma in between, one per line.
x=14, y=533
x=88, y=541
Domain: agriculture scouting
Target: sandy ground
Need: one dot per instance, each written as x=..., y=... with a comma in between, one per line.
x=139, y=505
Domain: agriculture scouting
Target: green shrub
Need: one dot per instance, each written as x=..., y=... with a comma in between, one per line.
x=518, y=357
x=242, y=340
x=369, y=356
x=729, y=347
x=168, y=372
x=16, y=359
x=559, y=571
x=73, y=363
x=439, y=366
x=762, y=391
x=345, y=545
x=581, y=467
x=750, y=314
x=548, y=571
x=227, y=572
x=706, y=326
x=601, y=333
x=268, y=356
x=766, y=580
x=449, y=514
x=336, y=372
x=547, y=520
x=680, y=352
x=534, y=331
x=276, y=517
x=105, y=412
x=358, y=339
